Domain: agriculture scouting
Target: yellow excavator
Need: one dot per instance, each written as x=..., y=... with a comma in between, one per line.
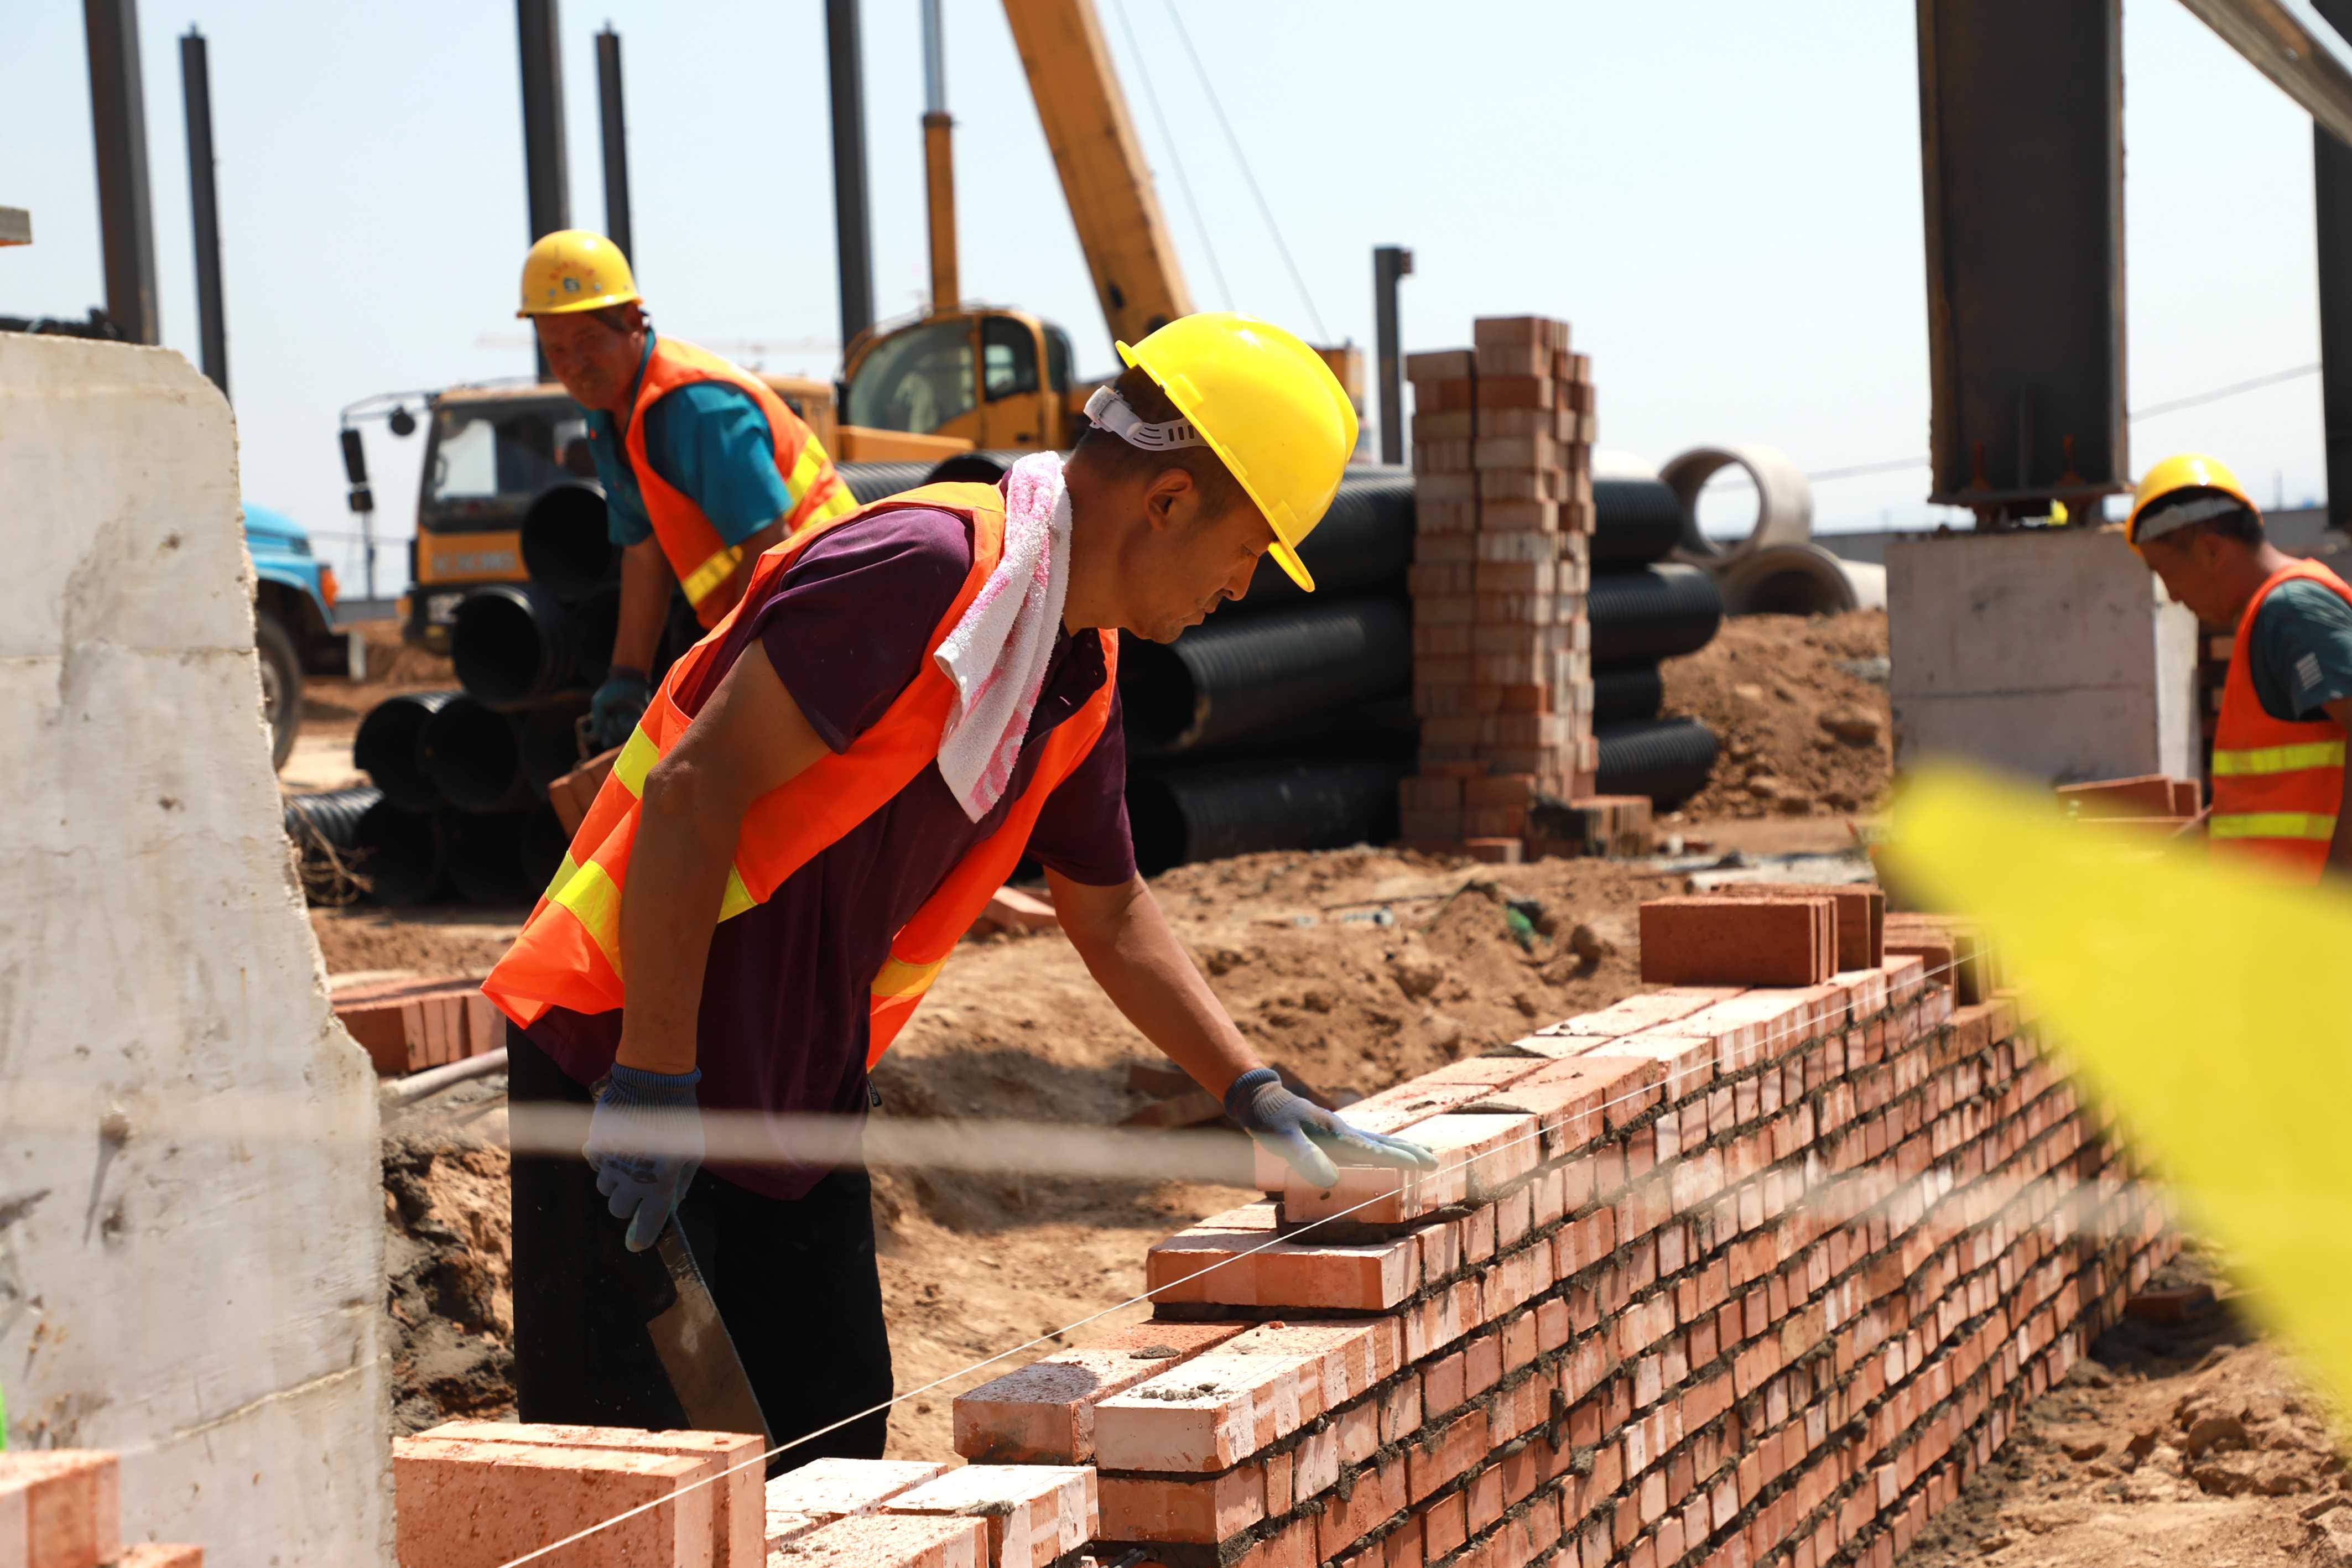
x=947, y=379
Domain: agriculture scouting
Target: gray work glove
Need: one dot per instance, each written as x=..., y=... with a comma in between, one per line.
x=1301, y=1131
x=617, y=705
x=645, y=1139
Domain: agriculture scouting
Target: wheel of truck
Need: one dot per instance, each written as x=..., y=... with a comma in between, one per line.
x=281, y=685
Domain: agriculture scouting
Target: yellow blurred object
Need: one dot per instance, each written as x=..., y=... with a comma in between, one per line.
x=1266, y=403
x=2191, y=995
x=573, y=269
x=2182, y=471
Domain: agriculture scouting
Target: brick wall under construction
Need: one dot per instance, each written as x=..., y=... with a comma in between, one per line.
x=1714, y=1277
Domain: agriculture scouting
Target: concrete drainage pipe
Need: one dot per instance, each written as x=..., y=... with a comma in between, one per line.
x=1800, y=579
x=1784, y=500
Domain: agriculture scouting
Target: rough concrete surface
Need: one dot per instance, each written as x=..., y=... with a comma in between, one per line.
x=208, y=1305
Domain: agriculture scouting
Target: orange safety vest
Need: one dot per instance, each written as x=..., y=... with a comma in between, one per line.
x=702, y=559
x=569, y=954
x=2277, y=785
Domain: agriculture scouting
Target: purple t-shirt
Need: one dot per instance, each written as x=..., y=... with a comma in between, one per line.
x=784, y=1025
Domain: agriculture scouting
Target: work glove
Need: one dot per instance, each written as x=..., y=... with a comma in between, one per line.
x=1301, y=1132
x=617, y=705
x=645, y=1138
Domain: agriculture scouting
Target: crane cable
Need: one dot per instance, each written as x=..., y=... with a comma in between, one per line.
x=1321, y=331
x=1175, y=153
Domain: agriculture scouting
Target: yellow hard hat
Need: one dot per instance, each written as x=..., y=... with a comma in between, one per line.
x=1267, y=405
x=2183, y=471
x=573, y=269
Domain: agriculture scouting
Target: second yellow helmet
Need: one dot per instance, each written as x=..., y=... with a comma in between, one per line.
x=573, y=269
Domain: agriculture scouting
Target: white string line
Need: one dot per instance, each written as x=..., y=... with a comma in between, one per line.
x=1276, y=1240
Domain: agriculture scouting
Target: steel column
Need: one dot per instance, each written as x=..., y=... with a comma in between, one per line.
x=616, y=143
x=938, y=161
x=1390, y=262
x=852, y=228
x=119, y=114
x=2020, y=118
x=2277, y=45
x=196, y=93
x=546, y=178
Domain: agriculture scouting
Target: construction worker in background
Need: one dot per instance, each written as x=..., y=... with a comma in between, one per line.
x=703, y=465
x=2278, y=746
x=820, y=798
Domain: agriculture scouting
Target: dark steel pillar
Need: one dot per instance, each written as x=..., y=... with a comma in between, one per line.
x=617, y=144
x=2331, y=179
x=854, y=233
x=196, y=93
x=119, y=114
x=1390, y=262
x=547, y=176
x=2020, y=119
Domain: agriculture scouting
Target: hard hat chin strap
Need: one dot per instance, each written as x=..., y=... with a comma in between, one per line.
x=1108, y=410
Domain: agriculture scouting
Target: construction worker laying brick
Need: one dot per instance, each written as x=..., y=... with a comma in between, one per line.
x=2278, y=746
x=904, y=702
x=704, y=466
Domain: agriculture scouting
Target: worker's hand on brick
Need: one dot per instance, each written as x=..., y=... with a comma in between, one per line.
x=645, y=1141
x=618, y=704
x=1310, y=1137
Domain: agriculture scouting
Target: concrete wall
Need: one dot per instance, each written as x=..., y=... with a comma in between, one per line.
x=2052, y=656
x=2298, y=530
x=207, y=1305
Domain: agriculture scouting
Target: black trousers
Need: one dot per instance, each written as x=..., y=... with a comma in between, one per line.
x=794, y=1281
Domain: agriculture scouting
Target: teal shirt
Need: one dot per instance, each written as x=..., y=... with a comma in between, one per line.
x=2300, y=656
x=708, y=439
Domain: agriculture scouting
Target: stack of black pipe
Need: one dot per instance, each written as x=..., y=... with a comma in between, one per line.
x=1645, y=607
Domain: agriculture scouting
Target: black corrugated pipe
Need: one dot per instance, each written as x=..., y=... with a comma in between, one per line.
x=398, y=854
x=1668, y=760
x=328, y=821
x=473, y=754
x=1650, y=612
x=1220, y=682
x=515, y=643
x=386, y=747
x=870, y=482
x=551, y=741
x=1635, y=522
x=1628, y=691
x=1182, y=814
x=567, y=546
x=1362, y=545
x=486, y=857
x=542, y=848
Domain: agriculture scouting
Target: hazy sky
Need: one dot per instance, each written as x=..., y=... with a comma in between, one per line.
x=1722, y=198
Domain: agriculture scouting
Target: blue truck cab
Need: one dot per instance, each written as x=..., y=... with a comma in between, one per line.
x=293, y=620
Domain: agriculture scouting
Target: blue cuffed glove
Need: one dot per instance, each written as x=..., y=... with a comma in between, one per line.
x=1301, y=1131
x=645, y=1139
x=617, y=705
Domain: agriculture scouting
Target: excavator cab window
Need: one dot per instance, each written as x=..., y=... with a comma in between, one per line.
x=1008, y=352
x=918, y=379
x=1057, y=359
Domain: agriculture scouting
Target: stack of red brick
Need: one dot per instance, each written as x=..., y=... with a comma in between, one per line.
x=1502, y=461
x=61, y=1507
x=407, y=1025
x=2152, y=803
x=478, y=1494
x=1719, y=1275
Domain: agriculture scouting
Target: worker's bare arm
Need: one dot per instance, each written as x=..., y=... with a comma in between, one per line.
x=645, y=583
x=749, y=739
x=2340, y=846
x=755, y=546
x=1126, y=946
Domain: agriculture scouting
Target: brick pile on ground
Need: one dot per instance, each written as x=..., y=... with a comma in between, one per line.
x=2154, y=804
x=1719, y=1276
x=61, y=1507
x=407, y=1025
x=478, y=1494
x=1502, y=459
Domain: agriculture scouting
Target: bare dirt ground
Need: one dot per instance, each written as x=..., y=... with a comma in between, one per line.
x=2191, y=1443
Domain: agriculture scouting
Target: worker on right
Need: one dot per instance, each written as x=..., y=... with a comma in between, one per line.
x=2278, y=748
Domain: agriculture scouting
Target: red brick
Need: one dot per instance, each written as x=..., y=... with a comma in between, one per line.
x=1724, y=940
x=1208, y=1415
x=1142, y=1508
x=1215, y=1262
x=738, y=1525
x=1861, y=915
x=61, y=1506
x=2145, y=795
x=1035, y=1513
x=835, y=1489
x=896, y=1540
x=1377, y=1497
x=478, y=1505
x=1444, y=1525
x=1432, y=1464
x=1045, y=1413
x=160, y=1555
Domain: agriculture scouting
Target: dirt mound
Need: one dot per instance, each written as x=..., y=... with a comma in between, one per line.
x=1805, y=728
x=449, y=1281
x=362, y=938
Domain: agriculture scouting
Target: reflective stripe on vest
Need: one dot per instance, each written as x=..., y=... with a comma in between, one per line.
x=2277, y=783
x=569, y=954
x=702, y=560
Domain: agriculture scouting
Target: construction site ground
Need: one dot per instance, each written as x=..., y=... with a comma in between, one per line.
x=1355, y=968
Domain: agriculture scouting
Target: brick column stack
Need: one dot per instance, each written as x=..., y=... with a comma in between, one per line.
x=1502, y=466
x=62, y=1508
x=1734, y=1277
